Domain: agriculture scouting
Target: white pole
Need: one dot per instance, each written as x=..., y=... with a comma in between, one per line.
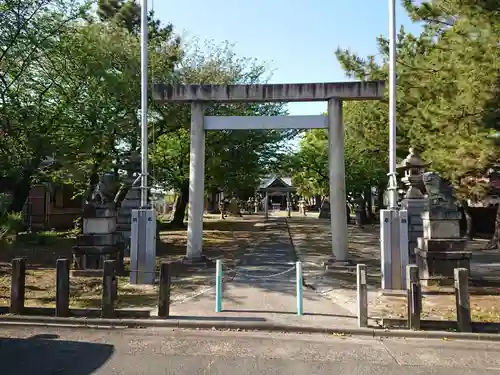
x=393, y=194
x=144, y=103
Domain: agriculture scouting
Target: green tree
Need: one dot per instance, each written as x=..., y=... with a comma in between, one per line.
x=29, y=35
x=235, y=160
x=71, y=92
x=309, y=165
x=447, y=86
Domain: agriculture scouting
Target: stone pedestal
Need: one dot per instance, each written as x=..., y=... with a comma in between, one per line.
x=415, y=207
x=441, y=249
x=99, y=241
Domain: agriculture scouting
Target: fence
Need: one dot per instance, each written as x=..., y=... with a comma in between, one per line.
x=62, y=300
x=110, y=291
x=414, y=295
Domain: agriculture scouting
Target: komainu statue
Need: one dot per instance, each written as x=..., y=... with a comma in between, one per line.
x=106, y=189
x=438, y=192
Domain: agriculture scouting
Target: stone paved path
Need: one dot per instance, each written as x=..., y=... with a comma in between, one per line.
x=262, y=287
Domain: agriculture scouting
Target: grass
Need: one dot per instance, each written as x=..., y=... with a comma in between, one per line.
x=222, y=238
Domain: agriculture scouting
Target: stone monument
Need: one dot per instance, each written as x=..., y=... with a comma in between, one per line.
x=414, y=201
x=99, y=240
x=233, y=207
x=324, y=211
x=441, y=249
x=360, y=211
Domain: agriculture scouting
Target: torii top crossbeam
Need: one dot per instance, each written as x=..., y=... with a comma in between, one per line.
x=293, y=92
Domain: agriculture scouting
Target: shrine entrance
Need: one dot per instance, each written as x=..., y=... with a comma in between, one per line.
x=201, y=95
x=277, y=194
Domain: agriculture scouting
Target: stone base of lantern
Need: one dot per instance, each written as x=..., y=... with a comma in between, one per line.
x=98, y=242
x=437, y=267
x=89, y=260
x=202, y=261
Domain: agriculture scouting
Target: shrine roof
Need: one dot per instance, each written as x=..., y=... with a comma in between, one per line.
x=277, y=183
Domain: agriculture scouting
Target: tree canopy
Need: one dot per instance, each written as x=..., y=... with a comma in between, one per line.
x=70, y=100
x=448, y=82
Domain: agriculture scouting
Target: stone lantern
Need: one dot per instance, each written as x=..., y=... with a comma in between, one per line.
x=414, y=201
x=413, y=167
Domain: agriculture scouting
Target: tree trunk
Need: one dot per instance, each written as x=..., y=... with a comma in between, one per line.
x=22, y=187
x=212, y=207
x=495, y=241
x=93, y=181
x=20, y=194
x=122, y=193
x=180, y=208
x=380, y=197
x=469, y=230
x=317, y=202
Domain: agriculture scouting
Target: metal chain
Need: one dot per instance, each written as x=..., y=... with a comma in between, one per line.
x=189, y=298
x=248, y=276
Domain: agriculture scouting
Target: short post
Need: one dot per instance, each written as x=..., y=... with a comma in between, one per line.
x=164, y=293
x=414, y=291
x=464, y=320
x=218, y=285
x=62, y=287
x=109, y=289
x=18, y=285
x=362, y=295
x=300, y=303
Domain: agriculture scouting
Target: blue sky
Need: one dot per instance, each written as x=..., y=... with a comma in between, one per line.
x=297, y=38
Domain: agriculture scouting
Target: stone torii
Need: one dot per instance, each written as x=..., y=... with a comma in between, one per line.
x=201, y=95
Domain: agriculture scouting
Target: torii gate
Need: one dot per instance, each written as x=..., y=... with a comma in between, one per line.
x=334, y=93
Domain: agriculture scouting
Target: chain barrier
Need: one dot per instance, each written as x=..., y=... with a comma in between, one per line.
x=189, y=298
x=249, y=276
x=175, y=279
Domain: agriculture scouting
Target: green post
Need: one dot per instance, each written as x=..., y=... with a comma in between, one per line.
x=218, y=285
x=300, y=304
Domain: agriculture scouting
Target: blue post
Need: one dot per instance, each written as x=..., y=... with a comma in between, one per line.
x=300, y=305
x=218, y=285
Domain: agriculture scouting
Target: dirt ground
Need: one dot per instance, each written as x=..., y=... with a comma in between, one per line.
x=484, y=308
x=221, y=239
x=311, y=237
x=227, y=239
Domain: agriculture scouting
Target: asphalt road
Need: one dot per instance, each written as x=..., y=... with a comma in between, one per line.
x=43, y=351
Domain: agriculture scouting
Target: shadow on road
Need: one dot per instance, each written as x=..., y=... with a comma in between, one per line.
x=287, y=313
x=44, y=354
x=220, y=318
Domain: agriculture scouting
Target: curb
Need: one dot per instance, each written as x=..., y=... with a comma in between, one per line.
x=19, y=320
